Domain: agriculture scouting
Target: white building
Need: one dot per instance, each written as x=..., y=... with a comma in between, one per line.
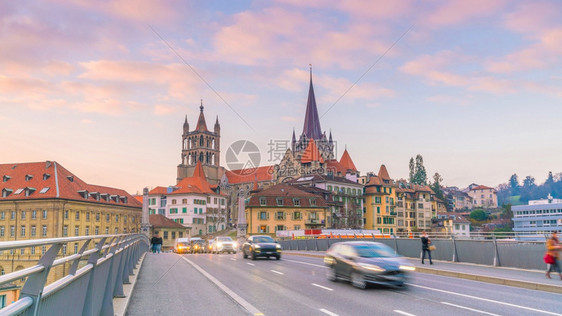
x=538, y=216
x=193, y=202
x=483, y=196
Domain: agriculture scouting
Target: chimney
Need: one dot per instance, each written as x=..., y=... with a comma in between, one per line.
x=47, y=164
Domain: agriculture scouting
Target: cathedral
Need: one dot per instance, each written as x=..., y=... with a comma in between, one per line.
x=201, y=145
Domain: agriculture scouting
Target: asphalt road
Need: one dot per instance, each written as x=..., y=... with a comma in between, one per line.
x=205, y=284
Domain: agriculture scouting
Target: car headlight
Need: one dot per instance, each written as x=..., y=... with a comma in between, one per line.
x=278, y=246
x=371, y=267
x=235, y=245
x=407, y=268
x=219, y=244
x=257, y=246
x=328, y=260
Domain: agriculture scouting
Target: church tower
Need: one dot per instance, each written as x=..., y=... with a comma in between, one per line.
x=201, y=145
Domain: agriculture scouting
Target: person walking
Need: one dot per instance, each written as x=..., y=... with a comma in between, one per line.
x=156, y=243
x=553, y=250
x=425, y=247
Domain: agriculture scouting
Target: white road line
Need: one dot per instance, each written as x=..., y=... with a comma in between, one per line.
x=277, y=272
x=249, y=307
x=310, y=264
x=403, y=313
x=325, y=311
x=470, y=309
x=322, y=287
x=250, y=264
x=233, y=259
x=486, y=300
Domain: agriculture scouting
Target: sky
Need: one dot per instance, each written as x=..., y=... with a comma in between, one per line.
x=103, y=87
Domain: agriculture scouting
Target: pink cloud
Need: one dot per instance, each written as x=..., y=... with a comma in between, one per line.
x=459, y=11
x=533, y=17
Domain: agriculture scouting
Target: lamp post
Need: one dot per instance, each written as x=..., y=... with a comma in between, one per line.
x=242, y=224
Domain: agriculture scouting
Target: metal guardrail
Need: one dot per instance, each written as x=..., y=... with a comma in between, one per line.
x=486, y=249
x=87, y=288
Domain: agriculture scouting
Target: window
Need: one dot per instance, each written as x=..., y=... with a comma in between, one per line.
x=75, y=247
x=33, y=231
x=297, y=215
x=297, y=227
x=87, y=216
x=77, y=215
x=116, y=231
x=2, y=231
x=65, y=214
x=97, y=231
x=44, y=214
x=63, y=249
x=117, y=218
x=2, y=215
x=65, y=230
x=23, y=230
x=173, y=235
x=280, y=215
x=107, y=217
x=32, y=250
x=313, y=202
x=76, y=230
x=184, y=201
x=184, y=210
x=13, y=215
x=87, y=231
x=12, y=231
x=263, y=201
x=279, y=227
x=107, y=230
x=280, y=202
x=97, y=217
x=263, y=215
x=23, y=214
x=44, y=228
x=173, y=201
x=165, y=235
x=296, y=202
x=33, y=214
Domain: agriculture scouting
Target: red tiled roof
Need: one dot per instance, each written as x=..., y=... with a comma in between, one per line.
x=311, y=153
x=161, y=221
x=158, y=190
x=335, y=166
x=55, y=181
x=383, y=173
x=264, y=173
x=481, y=187
x=139, y=198
x=346, y=161
x=287, y=193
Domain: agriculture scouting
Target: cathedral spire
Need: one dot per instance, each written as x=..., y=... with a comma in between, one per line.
x=201, y=124
x=185, y=126
x=311, y=127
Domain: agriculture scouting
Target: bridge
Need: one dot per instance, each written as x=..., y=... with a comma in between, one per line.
x=114, y=275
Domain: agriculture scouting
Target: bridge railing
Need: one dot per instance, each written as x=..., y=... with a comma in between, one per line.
x=96, y=275
x=506, y=250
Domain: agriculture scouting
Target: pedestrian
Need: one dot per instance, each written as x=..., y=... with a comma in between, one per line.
x=425, y=247
x=156, y=243
x=553, y=250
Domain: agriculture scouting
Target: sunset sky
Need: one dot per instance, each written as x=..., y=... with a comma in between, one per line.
x=475, y=87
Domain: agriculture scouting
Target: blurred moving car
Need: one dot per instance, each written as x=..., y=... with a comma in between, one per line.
x=261, y=246
x=224, y=244
x=209, y=245
x=198, y=246
x=363, y=262
x=182, y=245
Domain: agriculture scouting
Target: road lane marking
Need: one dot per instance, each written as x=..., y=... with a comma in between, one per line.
x=322, y=287
x=310, y=264
x=403, y=313
x=233, y=259
x=485, y=299
x=277, y=272
x=250, y=264
x=470, y=309
x=325, y=311
x=242, y=302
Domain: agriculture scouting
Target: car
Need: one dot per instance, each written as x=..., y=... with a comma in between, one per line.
x=209, y=245
x=365, y=262
x=197, y=246
x=224, y=244
x=261, y=246
x=182, y=245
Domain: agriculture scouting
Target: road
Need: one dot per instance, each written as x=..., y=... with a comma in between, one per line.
x=206, y=284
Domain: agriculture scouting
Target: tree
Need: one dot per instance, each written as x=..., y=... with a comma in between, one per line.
x=420, y=176
x=514, y=184
x=529, y=189
x=478, y=215
x=436, y=186
x=412, y=166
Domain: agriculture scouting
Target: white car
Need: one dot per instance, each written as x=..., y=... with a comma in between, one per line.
x=224, y=244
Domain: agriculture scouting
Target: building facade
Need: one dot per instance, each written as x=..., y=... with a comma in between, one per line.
x=45, y=200
x=483, y=196
x=538, y=216
x=167, y=229
x=284, y=207
x=380, y=197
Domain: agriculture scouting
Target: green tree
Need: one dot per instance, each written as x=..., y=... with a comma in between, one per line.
x=418, y=174
x=478, y=215
x=514, y=184
x=412, y=167
x=436, y=186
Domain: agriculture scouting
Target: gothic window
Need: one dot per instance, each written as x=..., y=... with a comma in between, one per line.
x=201, y=154
x=201, y=141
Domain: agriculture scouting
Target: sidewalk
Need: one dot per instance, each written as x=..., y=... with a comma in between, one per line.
x=529, y=279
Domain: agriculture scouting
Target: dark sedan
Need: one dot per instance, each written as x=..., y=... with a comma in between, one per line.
x=261, y=246
x=363, y=262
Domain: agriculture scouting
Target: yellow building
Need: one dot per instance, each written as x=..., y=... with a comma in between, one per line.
x=168, y=229
x=380, y=196
x=45, y=200
x=284, y=207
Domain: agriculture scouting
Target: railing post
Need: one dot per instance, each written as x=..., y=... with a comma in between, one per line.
x=395, y=244
x=35, y=283
x=76, y=262
x=497, y=262
x=455, y=258
x=93, y=260
x=125, y=264
x=107, y=302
